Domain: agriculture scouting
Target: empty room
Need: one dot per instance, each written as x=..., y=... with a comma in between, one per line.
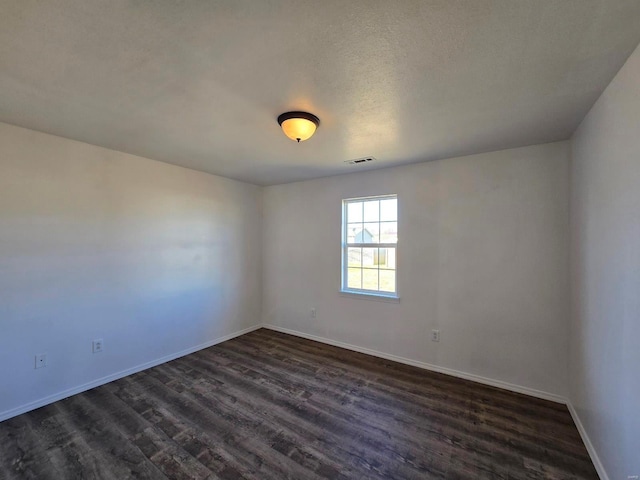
x=295, y=239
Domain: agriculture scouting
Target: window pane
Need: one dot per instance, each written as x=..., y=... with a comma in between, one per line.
x=370, y=279
x=370, y=233
x=388, y=232
x=387, y=280
x=355, y=257
x=372, y=211
x=380, y=257
x=354, y=278
x=368, y=257
x=353, y=229
x=389, y=210
x=390, y=259
x=354, y=212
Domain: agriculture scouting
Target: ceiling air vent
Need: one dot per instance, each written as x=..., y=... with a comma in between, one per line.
x=360, y=160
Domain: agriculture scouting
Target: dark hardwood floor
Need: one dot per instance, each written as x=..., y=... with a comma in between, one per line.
x=272, y=406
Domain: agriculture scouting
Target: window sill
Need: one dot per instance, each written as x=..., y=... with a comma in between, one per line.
x=370, y=296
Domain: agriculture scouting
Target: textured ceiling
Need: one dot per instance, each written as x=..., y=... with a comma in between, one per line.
x=200, y=83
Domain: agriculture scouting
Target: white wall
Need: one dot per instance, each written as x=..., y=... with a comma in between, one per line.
x=153, y=258
x=605, y=273
x=483, y=256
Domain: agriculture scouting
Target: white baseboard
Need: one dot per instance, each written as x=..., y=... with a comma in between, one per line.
x=435, y=368
x=115, y=376
x=467, y=376
x=427, y=366
x=587, y=443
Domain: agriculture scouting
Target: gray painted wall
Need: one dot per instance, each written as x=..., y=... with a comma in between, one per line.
x=482, y=256
x=605, y=273
x=153, y=258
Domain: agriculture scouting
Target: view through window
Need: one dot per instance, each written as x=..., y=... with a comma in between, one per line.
x=369, y=246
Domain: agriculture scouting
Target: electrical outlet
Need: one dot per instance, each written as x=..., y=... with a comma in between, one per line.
x=435, y=335
x=98, y=345
x=41, y=360
x=314, y=314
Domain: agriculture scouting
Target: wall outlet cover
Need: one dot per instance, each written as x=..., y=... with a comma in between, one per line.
x=41, y=360
x=98, y=345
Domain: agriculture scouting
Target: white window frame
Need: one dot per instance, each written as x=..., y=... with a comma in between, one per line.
x=362, y=292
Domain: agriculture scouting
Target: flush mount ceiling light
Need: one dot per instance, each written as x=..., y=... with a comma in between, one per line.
x=298, y=125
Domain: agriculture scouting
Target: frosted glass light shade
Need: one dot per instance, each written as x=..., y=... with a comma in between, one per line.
x=298, y=126
x=299, y=129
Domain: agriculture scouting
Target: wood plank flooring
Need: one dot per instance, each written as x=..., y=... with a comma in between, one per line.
x=271, y=406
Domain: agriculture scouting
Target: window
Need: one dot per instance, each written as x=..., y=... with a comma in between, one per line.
x=369, y=245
